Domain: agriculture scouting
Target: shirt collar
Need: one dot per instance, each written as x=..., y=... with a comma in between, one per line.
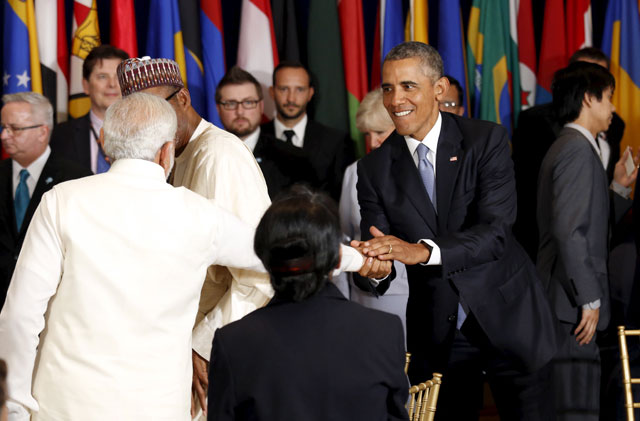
x=430, y=140
x=586, y=133
x=96, y=122
x=252, y=140
x=299, y=128
x=35, y=168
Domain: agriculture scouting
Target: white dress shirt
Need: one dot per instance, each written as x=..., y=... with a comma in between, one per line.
x=252, y=140
x=298, y=129
x=35, y=169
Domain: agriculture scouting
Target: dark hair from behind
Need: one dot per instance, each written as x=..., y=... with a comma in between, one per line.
x=3, y=383
x=290, y=64
x=589, y=54
x=454, y=82
x=237, y=76
x=574, y=81
x=298, y=241
x=99, y=53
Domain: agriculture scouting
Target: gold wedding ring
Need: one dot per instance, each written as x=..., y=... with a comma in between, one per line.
x=390, y=249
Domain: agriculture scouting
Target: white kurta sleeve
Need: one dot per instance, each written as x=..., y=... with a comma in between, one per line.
x=34, y=282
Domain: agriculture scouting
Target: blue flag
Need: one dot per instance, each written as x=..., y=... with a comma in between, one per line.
x=392, y=25
x=451, y=44
x=21, y=64
x=212, y=54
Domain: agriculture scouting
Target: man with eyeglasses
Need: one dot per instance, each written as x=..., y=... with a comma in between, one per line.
x=451, y=101
x=240, y=106
x=77, y=139
x=216, y=165
x=329, y=150
x=26, y=122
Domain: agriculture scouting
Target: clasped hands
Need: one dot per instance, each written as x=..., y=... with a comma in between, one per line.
x=382, y=250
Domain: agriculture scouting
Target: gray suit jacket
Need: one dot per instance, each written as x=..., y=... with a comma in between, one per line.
x=573, y=214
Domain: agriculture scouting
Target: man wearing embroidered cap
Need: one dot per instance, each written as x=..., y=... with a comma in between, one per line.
x=216, y=165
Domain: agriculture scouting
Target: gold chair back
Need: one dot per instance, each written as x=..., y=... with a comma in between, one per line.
x=406, y=362
x=423, y=399
x=627, y=381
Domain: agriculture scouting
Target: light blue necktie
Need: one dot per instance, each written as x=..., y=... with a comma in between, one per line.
x=21, y=201
x=103, y=165
x=425, y=168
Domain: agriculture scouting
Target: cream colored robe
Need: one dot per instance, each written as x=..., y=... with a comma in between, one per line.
x=117, y=262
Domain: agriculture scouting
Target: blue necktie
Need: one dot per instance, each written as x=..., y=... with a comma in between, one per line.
x=21, y=201
x=425, y=168
x=103, y=165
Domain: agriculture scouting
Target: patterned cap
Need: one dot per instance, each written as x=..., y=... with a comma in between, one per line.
x=136, y=74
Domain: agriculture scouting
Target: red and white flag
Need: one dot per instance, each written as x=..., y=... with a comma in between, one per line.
x=257, y=50
x=123, y=26
x=54, y=55
x=579, y=25
x=526, y=52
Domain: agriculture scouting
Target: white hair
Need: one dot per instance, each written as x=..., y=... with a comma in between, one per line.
x=41, y=108
x=137, y=126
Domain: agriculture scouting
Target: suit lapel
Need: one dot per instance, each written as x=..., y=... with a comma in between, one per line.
x=448, y=161
x=48, y=177
x=407, y=179
x=82, y=138
x=7, y=217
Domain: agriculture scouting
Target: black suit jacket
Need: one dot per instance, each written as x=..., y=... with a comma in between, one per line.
x=481, y=261
x=324, y=358
x=537, y=129
x=71, y=140
x=330, y=151
x=282, y=164
x=56, y=170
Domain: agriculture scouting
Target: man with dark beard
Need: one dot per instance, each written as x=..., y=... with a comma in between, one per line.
x=329, y=150
x=240, y=106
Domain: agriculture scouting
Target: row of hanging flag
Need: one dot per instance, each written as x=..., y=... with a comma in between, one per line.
x=496, y=64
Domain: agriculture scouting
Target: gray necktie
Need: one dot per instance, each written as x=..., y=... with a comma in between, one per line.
x=425, y=168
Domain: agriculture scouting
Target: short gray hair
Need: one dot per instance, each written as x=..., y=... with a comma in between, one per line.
x=137, y=126
x=371, y=115
x=41, y=108
x=429, y=57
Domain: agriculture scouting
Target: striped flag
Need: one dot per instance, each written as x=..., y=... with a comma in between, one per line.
x=257, y=51
x=417, y=26
x=526, y=52
x=20, y=49
x=54, y=55
x=213, y=58
x=579, y=26
x=123, y=26
x=190, y=23
x=355, y=63
x=553, y=50
x=493, y=62
x=164, y=36
x=451, y=43
x=86, y=36
x=391, y=25
x=620, y=43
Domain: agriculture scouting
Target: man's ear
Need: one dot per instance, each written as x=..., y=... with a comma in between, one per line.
x=85, y=86
x=440, y=88
x=183, y=98
x=311, y=92
x=271, y=93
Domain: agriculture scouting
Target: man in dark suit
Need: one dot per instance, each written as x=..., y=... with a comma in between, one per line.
x=77, y=139
x=574, y=218
x=240, y=106
x=537, y=128
x=329, y=150
x=442, y=187
x=32, y=170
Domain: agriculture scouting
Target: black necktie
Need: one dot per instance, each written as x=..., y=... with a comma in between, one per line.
x=289, y=135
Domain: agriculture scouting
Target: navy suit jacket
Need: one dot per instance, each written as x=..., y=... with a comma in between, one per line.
x=481, y=261
x=71, y=140
x=55, y=170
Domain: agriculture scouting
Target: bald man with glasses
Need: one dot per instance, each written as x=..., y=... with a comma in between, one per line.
x=240, y=106
x=26, y=123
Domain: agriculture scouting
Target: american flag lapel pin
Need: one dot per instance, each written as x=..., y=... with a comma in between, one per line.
x=453, y=159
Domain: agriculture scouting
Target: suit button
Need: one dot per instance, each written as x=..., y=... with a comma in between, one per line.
x=452, y=318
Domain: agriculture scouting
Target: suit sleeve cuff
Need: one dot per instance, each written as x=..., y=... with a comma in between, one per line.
x=435, y=257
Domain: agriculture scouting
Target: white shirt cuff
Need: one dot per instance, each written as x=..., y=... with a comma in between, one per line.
x=435, y=258
x=594, y=305
x=17, y=412
x=620, y=189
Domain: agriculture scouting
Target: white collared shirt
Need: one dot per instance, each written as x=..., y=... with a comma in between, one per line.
x=252, y=140
x=35, y=169
x=96, y=125
x=299, y=128
x=594, y=143
x=431, y=142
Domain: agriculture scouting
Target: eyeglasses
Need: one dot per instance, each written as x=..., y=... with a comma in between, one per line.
x=172, y=95
x=11, y=129
x=247, y=104
x=449, y=104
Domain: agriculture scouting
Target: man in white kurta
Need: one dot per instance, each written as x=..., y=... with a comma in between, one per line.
x=119, y=281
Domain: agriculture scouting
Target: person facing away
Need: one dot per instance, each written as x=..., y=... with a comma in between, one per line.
x=310, y=354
